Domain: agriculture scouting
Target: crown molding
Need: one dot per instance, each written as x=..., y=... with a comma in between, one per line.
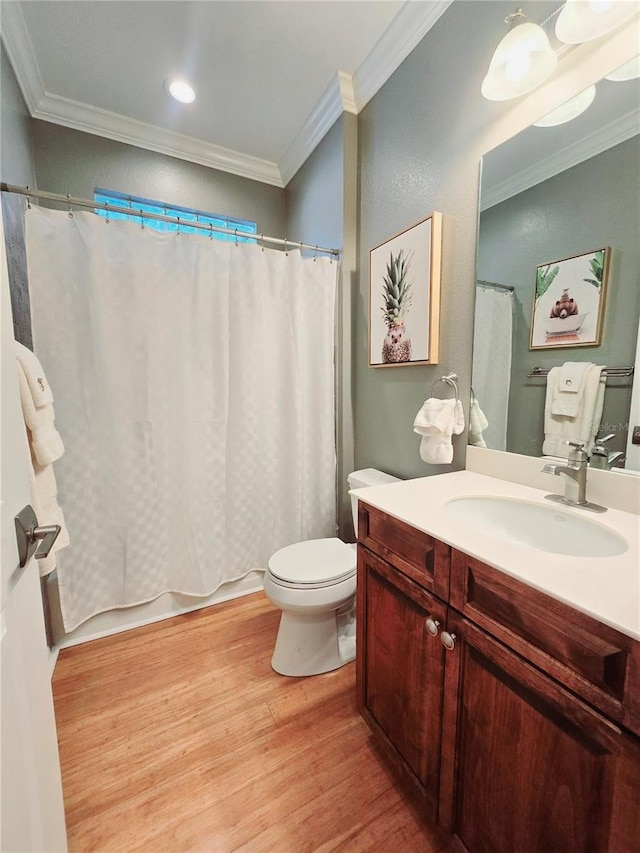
x=351, y=93
x=597, y=142
x=407, y=29
x=79, y=116
x=16, y=41
x=339, y=97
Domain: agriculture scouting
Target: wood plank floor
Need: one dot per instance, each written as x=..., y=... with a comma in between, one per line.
x=180, y=737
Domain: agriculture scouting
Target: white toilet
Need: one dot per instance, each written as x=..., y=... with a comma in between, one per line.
x=314, y=584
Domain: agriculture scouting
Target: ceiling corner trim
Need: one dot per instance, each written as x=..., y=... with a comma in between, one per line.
x=347, y=92
x=589, y=146
x=21, y=54
x=408, y=28
x=326, y=112
x=79, y=116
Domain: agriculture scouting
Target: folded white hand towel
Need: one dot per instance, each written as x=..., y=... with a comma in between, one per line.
x=477, y=424
x=434, y=416
x=44, y=447
x=436, y=422
x=567, y=384
x=38, y=385
x=584, y=427
x=45, y=439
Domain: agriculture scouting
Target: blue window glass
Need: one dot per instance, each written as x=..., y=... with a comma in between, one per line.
x=132, y=206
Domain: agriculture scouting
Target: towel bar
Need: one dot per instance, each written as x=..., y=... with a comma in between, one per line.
x=609, y=371
x=449, y=379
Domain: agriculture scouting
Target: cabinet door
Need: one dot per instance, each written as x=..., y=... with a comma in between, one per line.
x=527, y=766
x=400, y=670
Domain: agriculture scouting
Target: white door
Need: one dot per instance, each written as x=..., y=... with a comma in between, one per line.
x=32, y=812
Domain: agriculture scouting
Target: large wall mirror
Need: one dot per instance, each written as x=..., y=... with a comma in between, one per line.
x=559, y=251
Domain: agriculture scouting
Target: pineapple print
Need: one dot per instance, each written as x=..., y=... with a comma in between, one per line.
x=397, y=298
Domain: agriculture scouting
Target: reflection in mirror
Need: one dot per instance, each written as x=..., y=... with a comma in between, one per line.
x=558, y=246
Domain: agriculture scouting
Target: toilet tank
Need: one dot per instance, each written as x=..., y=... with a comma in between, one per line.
x=366, y=477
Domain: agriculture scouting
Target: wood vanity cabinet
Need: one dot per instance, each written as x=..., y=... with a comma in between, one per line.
x=530, y=721
x=400, y=674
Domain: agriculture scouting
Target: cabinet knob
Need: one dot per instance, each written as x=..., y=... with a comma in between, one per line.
x=432, y=626
x=448, y=640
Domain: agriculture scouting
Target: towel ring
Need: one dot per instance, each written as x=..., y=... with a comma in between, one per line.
x=449, y=379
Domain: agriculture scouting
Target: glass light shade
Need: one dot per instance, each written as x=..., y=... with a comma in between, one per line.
x=586, y=20
x=523, y=60
x=569, y=110
x=629, y=71
x=181, y=91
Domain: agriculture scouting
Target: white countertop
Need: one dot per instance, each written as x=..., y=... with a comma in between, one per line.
x=607, y=588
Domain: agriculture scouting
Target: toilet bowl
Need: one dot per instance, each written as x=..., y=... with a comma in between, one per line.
x=314, y=584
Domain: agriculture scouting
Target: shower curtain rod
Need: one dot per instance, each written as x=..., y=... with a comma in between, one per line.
x=508, y=287
x=82, y=202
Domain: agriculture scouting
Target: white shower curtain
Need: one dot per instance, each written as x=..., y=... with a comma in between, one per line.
x=194, y=389
x=491, y=374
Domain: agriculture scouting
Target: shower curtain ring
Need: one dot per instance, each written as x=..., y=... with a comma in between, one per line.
x=70, y=210
x=286, y=248
x=28, y=201
x=141, y=220
x=178, y=228
x=211, y=230
x=236, y=233
x=315, y=254
x=262, y=241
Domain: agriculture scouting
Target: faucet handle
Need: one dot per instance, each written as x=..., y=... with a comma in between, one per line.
x=577, y=452
x=601, y=441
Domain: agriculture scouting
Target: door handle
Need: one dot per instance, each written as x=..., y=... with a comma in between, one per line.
x=31, y=537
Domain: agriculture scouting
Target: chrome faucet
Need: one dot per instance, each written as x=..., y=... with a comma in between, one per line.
x=575, y=479
x=600, y=458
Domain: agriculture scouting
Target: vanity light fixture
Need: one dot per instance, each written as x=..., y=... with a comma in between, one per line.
x=629, y=71
x=569, y=110
x=521, y=62
x=180, y=90
x=586, y=20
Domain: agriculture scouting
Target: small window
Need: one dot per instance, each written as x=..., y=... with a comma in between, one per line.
x=130, y=204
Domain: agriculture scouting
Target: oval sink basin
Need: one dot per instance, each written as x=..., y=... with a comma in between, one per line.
x=539, y=527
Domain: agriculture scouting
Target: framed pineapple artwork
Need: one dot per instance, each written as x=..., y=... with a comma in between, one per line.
x=404, y=296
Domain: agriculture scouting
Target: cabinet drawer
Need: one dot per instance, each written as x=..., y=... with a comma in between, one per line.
x=416, y=554
x=594, y=661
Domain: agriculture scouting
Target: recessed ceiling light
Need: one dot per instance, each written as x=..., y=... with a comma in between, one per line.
x=181, y=91
x=569, y=110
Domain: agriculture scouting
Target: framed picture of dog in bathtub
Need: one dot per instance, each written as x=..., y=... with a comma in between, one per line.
x=404, y=296
x=569, y=299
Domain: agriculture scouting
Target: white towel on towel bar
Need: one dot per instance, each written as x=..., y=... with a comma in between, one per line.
x=568, y=387
x=582, y=428
x=436, y=422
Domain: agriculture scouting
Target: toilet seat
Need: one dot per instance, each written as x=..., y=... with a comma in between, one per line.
x=313, y=564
